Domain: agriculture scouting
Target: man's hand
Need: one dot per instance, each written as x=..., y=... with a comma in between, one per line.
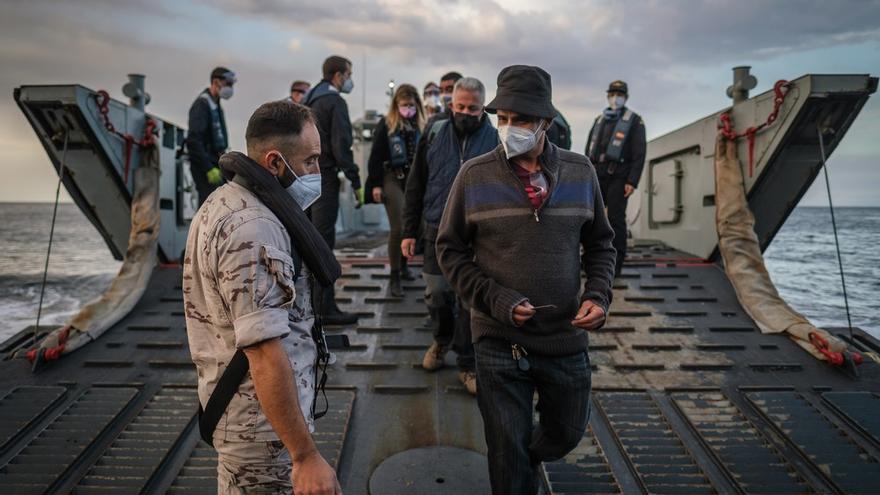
x=590, y=317
x=408, y=247
x=522, y=312
x=377, y=195
x=628, y=189
x=313, y=476
x=214, y=176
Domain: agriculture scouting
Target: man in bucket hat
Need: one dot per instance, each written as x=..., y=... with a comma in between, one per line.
x=509, y=242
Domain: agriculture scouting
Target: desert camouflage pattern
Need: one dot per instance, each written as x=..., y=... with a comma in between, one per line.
x=239, y=290
x=253, y=468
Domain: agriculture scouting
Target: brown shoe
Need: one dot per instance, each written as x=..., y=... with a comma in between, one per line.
x=469, y=380
x=433, y=359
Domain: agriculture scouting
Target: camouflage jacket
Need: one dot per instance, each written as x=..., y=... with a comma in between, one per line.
x=239, y=290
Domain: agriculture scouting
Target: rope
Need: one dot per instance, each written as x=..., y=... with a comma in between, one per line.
x=51, y=233
x=752, y=132
x=836, y=240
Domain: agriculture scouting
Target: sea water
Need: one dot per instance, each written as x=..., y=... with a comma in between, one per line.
x=802, y=261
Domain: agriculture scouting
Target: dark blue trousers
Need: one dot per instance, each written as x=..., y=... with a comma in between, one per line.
x=517, y=446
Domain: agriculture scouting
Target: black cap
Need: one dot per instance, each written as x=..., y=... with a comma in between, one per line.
x=524, y=89
x=618, y=87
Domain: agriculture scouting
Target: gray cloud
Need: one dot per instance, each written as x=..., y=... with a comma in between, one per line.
x=579, y=38
x=675, y=55
x=656, y=46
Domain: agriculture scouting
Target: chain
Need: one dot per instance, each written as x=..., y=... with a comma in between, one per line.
x=102, y=99
x=780, y=91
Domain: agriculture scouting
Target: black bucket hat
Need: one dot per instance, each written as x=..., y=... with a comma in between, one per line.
x=524, y=89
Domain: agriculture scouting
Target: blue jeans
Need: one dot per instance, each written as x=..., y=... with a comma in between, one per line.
x=516, y=446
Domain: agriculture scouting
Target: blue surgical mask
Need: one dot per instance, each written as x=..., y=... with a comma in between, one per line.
x=226, y=92
x=347, y=86
x=305, y=190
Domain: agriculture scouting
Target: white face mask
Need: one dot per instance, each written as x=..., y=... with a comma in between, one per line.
x=616, y=102
x=518, y=141
x=304, y=190
x=226, y=92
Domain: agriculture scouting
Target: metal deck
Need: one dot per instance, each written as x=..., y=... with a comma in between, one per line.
x=689, y=397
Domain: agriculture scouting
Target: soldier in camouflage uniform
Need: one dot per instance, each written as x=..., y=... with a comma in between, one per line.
x=241, y=292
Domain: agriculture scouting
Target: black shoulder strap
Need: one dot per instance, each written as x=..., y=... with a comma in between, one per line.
x=222, y=395
x=435, y=129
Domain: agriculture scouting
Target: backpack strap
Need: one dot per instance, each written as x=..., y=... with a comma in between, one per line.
x=219, y=400
x=435, y=129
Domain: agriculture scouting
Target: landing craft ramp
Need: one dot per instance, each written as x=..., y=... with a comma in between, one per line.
x=688, y=398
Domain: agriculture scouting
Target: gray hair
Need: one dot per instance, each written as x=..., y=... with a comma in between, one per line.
x=473, y=85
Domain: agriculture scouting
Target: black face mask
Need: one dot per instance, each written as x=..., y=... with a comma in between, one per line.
x=466, y=123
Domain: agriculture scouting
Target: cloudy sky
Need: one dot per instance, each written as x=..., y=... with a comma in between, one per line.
x=676, y=56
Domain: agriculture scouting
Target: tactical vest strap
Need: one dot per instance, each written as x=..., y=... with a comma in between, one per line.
x=217, y=136
x=594, y=136
x=614, y=152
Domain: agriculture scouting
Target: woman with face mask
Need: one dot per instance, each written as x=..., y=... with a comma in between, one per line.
x=394, y=146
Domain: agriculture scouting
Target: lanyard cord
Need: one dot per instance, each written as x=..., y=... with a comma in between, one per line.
x=836, y=241
x=61, y=170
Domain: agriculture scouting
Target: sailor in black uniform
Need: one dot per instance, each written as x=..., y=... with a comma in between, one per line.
x=616, y=146
x=207, y=138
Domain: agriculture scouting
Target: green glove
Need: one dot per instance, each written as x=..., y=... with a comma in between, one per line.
x=214, y=176
x=359, y=197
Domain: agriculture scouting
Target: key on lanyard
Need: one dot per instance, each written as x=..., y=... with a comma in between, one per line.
x=519, y=355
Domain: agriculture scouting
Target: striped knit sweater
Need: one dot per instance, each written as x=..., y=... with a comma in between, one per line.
x=497, y=250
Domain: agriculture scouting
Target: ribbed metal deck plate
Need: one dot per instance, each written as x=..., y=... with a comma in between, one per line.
x=845, y=463
x=754, y=464
x=49, y=454
x=862, y=409
x=199, y=473
x=583, y=471
x=23, y=406
x=662, y=462
x=138, y=451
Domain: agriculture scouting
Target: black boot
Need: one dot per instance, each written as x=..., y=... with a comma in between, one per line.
x=394, y=284
x=405, y=273
x=330, y=312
